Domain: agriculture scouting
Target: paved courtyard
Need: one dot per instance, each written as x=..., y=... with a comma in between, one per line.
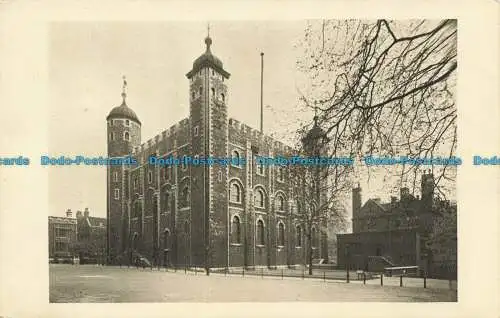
x=88, y=283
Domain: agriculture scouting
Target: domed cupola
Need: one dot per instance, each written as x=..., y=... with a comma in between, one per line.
x=315, y=137
x=123, y=111
x=207, y=59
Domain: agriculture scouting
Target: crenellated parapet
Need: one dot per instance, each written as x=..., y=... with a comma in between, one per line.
x=152, y=144
x=257, y=138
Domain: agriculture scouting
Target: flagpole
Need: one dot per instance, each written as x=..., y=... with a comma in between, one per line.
x=261, y=92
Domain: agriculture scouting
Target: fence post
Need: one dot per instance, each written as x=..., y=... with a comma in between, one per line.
x=425, y=279
x=348, y=275
x=324, y=276
x=281, y=273
x=401, y=281
x=243, y=271
x=262, y=273
x=449, y=284
x=382, y=279
x=303, y=273
x=364, y=278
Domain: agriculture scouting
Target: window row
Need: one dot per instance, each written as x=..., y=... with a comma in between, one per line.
x=213, y=92
x=166, y=203
x=200, y=73
x=259, y=198
x=113, y=122
x=125, y=136
x=260, y=234
x=260, y=167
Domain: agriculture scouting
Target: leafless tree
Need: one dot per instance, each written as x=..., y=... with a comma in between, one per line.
x=385, y=88
x=320, y=189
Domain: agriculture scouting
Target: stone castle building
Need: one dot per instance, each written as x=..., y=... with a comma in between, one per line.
x=204, y=215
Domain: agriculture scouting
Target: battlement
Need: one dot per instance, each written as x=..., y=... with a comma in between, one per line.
x=257, y=135
x=152, y=142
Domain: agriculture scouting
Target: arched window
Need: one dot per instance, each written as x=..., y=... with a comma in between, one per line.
x=281, y=174
x=127, y=122
x=235, y=192
x=112, y=136
x=222, y=97
x=260, y=169
x=213, y=92
x=150, y=176
x=280, y=203
x=235, y=158
x=126, y=136
x=236, y=230
x=137, y=210
x=201, y=90
x=185, y=196
x=167, y=201
x=259, y=198
x=260, y=233
x=166, y=239
x=298, y=236
x=281, y=234
x=192, y=95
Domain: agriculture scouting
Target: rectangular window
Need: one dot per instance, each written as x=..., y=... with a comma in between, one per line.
x=260, y=169
x=196, y=130
x=135, y=182
x=150, y=177
x=115, y=176
x=117, y=194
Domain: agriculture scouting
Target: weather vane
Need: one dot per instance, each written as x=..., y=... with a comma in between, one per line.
x=124, y=93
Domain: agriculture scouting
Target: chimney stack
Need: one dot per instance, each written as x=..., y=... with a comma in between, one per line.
x=69, y=213
x=86, y=212
x=78, y=214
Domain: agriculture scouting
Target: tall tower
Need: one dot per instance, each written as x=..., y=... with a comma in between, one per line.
x=314, y=145
x=208, y=117
x=123, y=133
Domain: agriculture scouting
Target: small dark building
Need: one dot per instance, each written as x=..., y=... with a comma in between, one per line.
x=398, y=233
x=62, y=237
x=91, y=238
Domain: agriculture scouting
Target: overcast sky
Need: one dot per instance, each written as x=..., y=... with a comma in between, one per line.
x=86, y=64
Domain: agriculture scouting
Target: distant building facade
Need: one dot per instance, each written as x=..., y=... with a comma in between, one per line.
x=233, y=215
x=62, y=236
x=82, y=236
x=399, y=232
